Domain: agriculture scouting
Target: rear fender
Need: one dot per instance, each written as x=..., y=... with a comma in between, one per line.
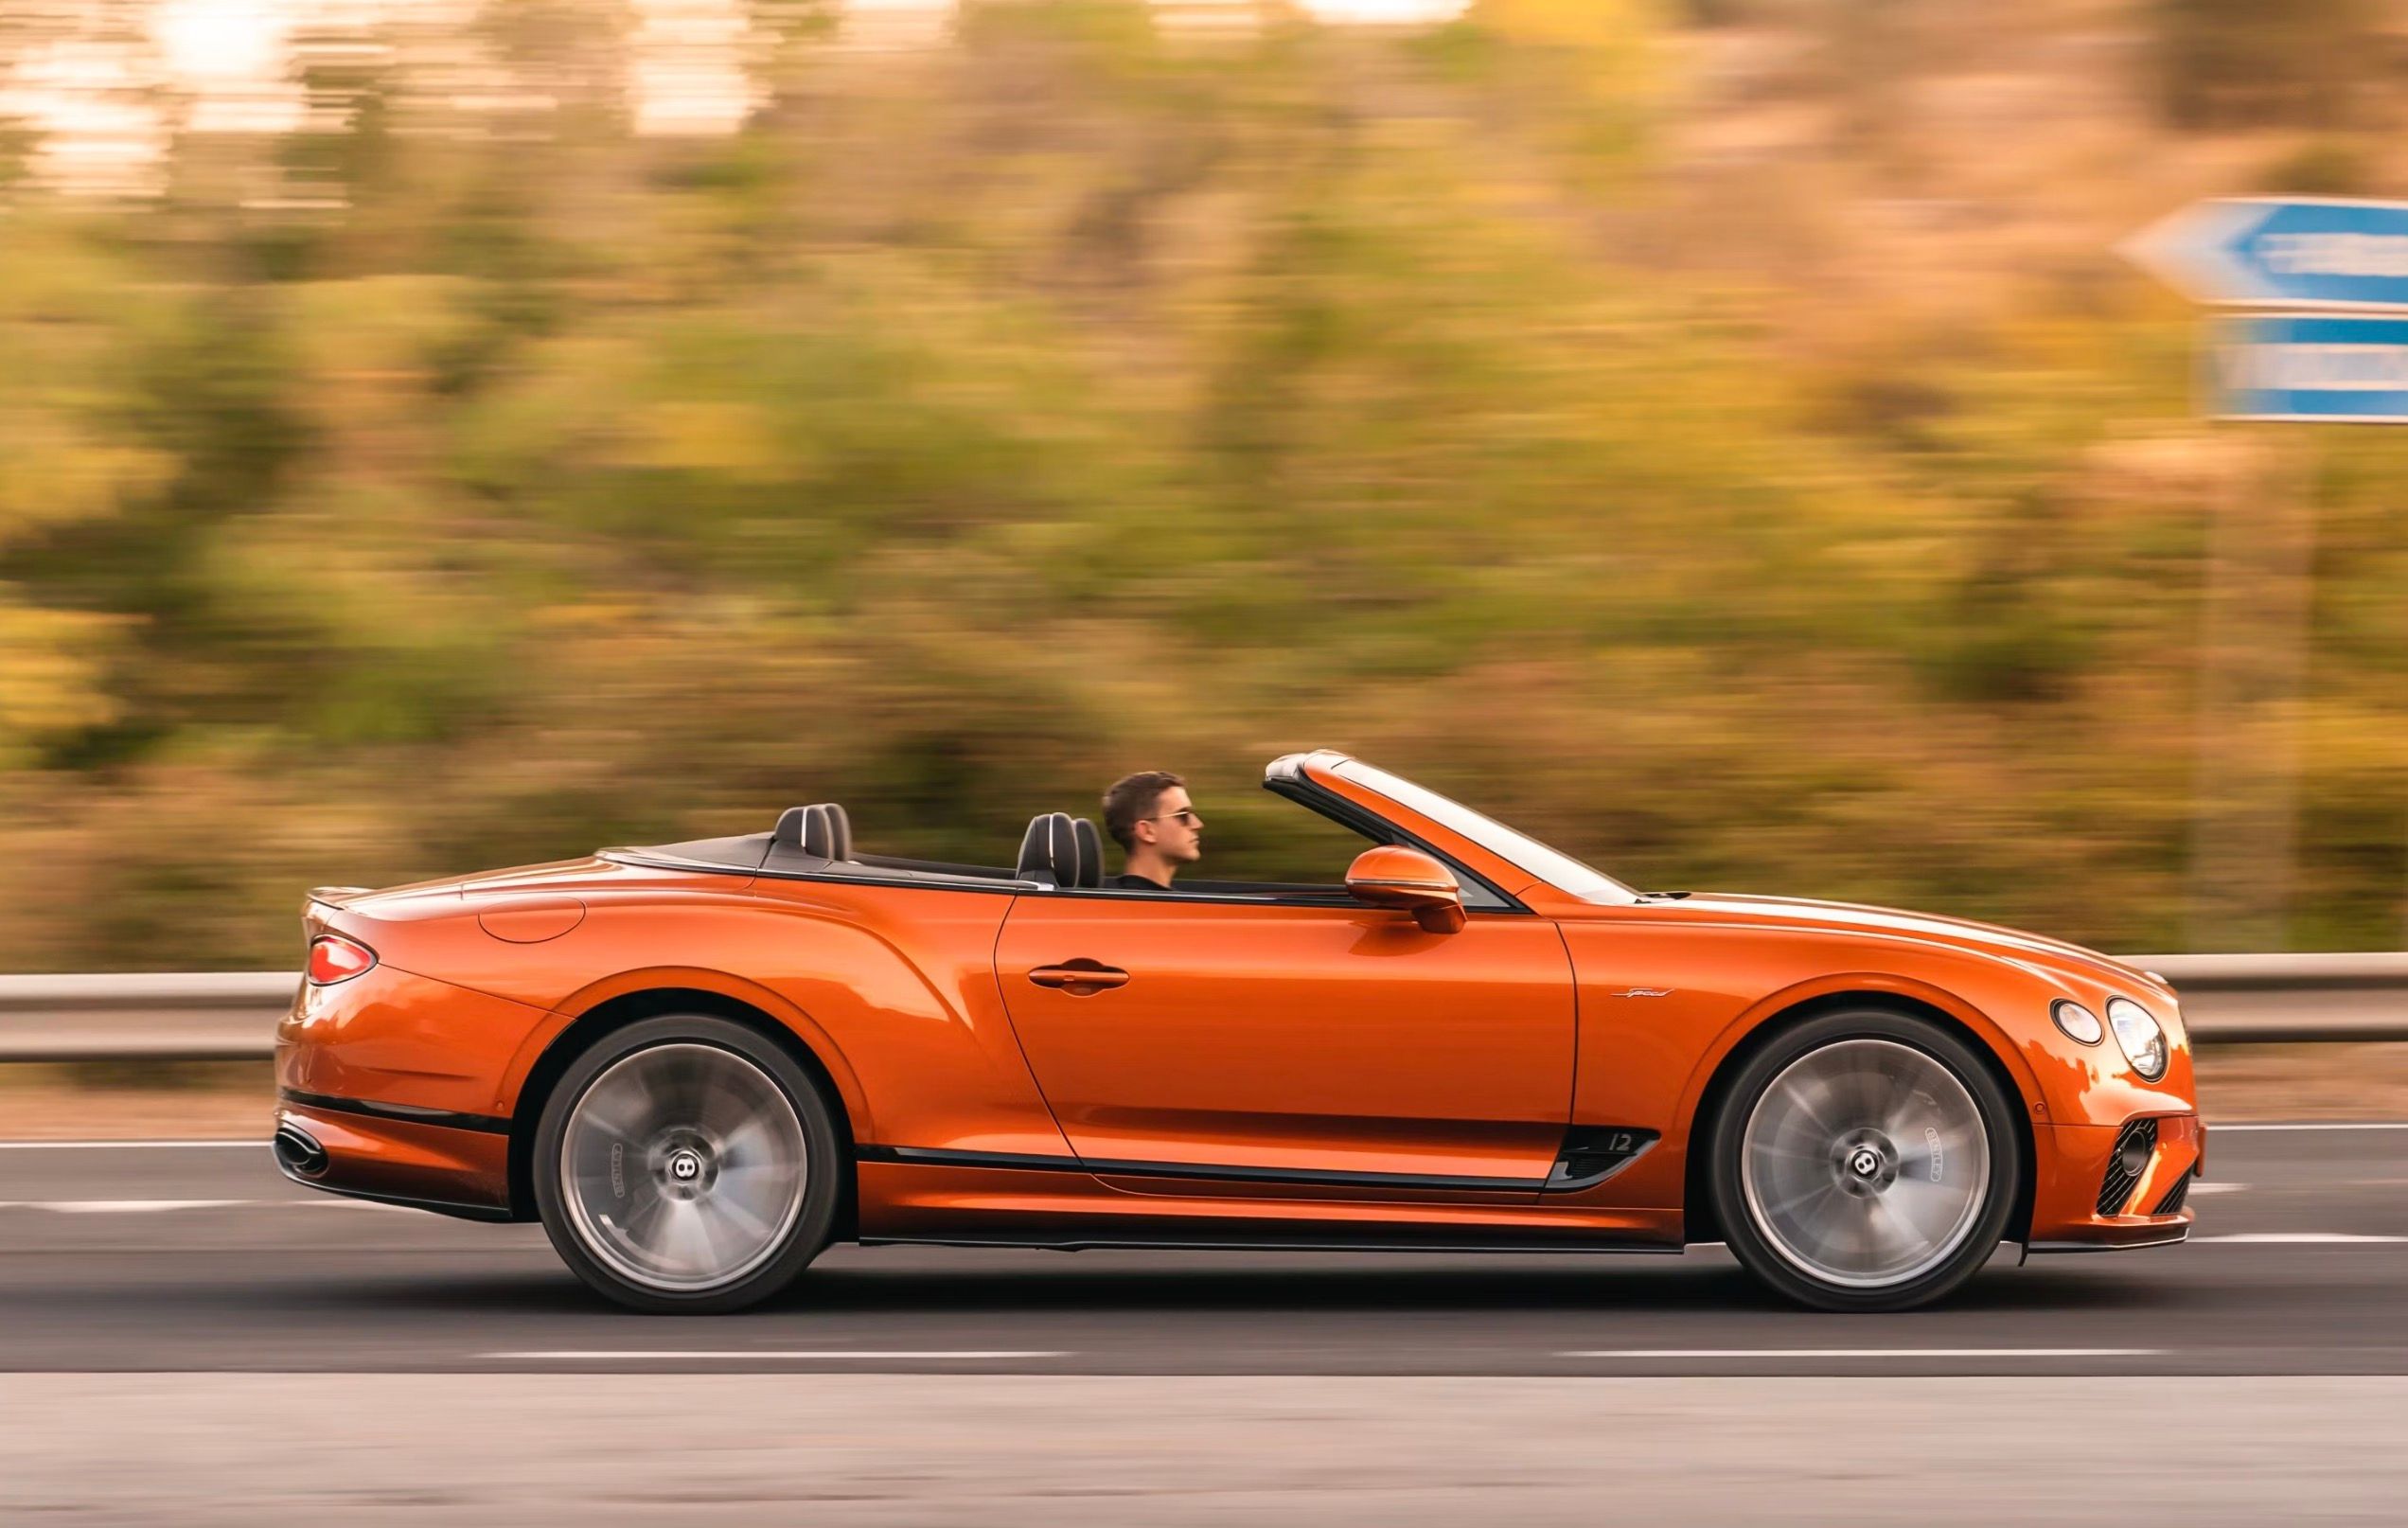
x=821, y=1045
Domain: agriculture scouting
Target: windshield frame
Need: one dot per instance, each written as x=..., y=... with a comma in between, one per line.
x=1515, y=847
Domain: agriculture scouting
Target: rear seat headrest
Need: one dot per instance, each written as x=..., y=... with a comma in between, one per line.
x=1049, y=850
x=827, y=832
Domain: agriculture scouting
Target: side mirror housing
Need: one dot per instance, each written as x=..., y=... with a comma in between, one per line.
x=1411, y=881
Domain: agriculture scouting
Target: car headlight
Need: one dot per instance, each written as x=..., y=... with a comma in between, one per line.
x=2076, y=1020
x=2141, y=1036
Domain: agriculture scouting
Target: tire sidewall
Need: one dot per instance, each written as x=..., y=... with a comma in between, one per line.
x=1998, y=1117
x=824, y=1160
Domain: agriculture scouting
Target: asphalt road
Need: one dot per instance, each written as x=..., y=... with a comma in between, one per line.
x=199, y=1258
x=186, y=1340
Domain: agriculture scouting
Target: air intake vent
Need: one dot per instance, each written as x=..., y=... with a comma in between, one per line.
x=2135, y=1145
x=2175, y=1197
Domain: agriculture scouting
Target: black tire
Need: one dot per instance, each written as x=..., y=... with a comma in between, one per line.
x=686, y=1076
x=1773, y=1223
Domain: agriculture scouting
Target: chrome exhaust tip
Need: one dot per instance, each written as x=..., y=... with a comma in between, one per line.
x=298, y=1153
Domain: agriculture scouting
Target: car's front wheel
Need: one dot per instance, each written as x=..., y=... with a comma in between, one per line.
x=1865, y=1161
x=687, y=1163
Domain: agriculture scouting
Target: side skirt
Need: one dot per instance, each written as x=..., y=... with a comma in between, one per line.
x=1080, y=1242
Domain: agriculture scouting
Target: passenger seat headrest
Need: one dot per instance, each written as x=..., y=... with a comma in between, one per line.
x=1091, y=852
x=827, y=832
x=1049, y=850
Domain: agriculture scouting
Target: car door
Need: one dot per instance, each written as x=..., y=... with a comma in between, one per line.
x=1339, y=1049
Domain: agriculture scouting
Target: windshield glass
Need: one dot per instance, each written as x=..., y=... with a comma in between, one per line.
x=1556, y=868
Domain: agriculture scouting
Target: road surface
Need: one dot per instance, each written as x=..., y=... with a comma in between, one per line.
x=259, y=1348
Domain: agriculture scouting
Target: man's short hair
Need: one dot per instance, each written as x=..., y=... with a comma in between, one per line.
x=1131, y=800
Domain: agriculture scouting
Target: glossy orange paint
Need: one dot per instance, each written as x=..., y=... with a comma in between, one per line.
x=1339, y=1039
x=1310, y=1071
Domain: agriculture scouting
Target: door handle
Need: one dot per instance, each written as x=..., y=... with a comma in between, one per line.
x=1080, y=978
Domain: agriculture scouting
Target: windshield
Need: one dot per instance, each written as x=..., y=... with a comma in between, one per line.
x=1556, y=868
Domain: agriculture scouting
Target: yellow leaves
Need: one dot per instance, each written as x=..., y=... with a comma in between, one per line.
x=71, y=327
x=56, y=469
x=371, y=347
x=1590, y=24
x=1609, y=46
x=725, y=440
x=50, y=666
x=378, y=326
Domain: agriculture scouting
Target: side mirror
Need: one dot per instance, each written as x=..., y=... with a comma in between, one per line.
x=1411, y=881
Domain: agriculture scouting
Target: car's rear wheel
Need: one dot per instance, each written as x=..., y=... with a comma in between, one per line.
x=687, y=1163
x=1865, y=1161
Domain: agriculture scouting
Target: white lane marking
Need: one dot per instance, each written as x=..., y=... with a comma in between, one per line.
x=2219, y=1188
x=1864, y=1353
x=2214, y=1129
x=125, y=1206
x=813, y=1356
x=155, y=1206
x=2298, y=1237
x=255, y=1143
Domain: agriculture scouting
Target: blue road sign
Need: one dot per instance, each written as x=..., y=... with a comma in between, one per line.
x=2279, y=252
x=2311, y=366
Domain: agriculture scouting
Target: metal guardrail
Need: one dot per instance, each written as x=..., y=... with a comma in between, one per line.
x=2231, y=999
x=213, y=1015
x=232, y=1015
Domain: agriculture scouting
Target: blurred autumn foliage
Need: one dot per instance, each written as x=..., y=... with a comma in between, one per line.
x=1717, y=440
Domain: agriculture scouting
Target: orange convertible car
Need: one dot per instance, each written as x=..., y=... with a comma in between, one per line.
x=698, y=1064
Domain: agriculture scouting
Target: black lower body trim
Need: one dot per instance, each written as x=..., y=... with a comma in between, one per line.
x=935, y=1157
x=406, y=1113
x=1191, y=1172
x=2173, y=1235
x=1088, y=1241
x=492, y=1214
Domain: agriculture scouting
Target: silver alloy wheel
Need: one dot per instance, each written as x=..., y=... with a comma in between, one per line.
x=683, y=1166
x=1865, y=1162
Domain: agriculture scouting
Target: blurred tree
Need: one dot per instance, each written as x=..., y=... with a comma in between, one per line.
x=2240, y=62
x=464, y=478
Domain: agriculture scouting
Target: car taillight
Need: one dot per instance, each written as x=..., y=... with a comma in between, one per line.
x=333, y=958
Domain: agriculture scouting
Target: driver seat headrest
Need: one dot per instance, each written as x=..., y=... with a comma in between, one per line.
x=1091, y=852
x=1049, y=850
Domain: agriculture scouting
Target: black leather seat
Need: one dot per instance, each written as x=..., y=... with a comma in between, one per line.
x=1091, y=852
x=1049, y=850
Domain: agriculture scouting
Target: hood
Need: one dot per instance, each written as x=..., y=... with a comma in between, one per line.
x=1989, y=938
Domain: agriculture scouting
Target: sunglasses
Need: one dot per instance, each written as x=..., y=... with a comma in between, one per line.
x=1185, y=815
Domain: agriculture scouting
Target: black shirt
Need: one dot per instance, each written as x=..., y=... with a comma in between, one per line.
x=1129, y=882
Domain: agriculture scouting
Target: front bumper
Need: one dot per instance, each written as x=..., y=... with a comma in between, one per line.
x=2075, y=1164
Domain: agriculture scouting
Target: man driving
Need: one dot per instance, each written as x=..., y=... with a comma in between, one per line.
x=1149, y=816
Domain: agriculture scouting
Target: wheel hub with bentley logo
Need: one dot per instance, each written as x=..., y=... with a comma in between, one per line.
x=685, y=1165
x=1866, y=1162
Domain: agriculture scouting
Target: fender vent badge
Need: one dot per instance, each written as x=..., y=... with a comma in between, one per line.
x=1593, y=1153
